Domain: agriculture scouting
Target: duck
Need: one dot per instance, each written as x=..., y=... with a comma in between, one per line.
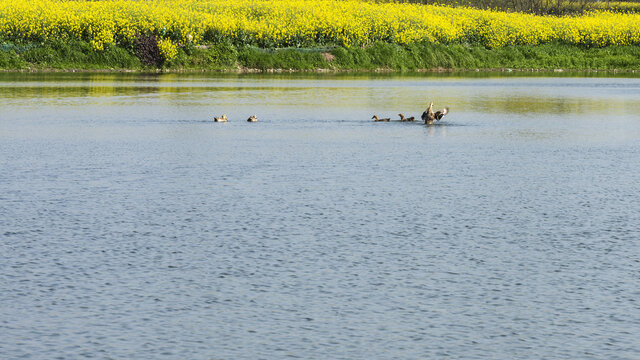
x=375, y=117
x=252, y=118
x=429, y=116
x=222, y=118
x=402, y=118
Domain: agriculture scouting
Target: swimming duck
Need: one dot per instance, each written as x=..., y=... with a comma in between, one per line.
x=375, y=117
x=252, y=118
x=222, y=118
x=402, y=118
x=429, y=116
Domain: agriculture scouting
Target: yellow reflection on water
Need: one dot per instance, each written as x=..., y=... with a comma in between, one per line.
x=385, y=95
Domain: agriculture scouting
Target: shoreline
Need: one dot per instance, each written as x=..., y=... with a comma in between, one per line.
x=319, y=71
x=316, y=71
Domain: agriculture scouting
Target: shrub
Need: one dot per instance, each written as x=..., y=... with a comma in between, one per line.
x=147, y=50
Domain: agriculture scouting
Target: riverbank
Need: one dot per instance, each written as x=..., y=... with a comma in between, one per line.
x=79, y=55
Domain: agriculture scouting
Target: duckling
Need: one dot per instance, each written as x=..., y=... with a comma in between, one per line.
x=252, y=118
x=375, y=117
x=222, y=118
x=429, y=116
x=402, y=118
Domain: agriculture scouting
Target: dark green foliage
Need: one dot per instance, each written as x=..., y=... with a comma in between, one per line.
x=147, y=50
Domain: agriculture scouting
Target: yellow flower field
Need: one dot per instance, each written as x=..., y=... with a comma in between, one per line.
x=280, y=23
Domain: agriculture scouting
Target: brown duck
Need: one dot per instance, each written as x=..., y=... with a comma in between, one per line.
x=429, y=116
x=375, y=118
x=252, y=118
x=402, y=118
x=222, y=118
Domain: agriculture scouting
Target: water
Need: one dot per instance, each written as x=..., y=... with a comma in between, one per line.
x=132, y=227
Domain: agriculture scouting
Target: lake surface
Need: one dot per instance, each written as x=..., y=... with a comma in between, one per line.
x=133, y=227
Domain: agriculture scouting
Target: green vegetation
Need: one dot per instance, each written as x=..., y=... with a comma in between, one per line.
x=79, y=55
x=73, y=54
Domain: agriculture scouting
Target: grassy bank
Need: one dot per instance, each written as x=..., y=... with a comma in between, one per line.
x=79, y=55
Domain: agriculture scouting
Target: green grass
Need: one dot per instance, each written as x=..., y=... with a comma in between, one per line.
x=65, y=55
x=78, y=55
x=434, y=56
